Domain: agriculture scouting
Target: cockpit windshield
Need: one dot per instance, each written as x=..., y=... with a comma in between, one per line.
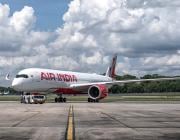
x=21, y=76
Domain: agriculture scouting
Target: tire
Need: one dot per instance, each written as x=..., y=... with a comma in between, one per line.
x=56, y=100
x=60, y=100
x=64, y=99
x=97, y=101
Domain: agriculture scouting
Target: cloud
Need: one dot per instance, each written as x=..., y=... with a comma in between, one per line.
x=20, y=45
x=4, y=13
x=134, y=29
x=14, y=29
x=146, y=29
x=145, y=34
x=91, y=60
x=22, y=20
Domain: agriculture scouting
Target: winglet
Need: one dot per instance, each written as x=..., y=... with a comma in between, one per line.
x=7, y=76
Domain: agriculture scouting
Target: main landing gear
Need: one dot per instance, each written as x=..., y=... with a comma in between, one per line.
x=60, y=99
x=93, y=100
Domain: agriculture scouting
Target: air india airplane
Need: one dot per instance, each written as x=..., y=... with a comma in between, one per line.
x=37, y=80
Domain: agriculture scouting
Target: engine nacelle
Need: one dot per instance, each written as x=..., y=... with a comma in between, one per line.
x=97, y=91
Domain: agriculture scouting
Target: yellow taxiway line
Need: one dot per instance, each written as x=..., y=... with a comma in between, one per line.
x=70, y=134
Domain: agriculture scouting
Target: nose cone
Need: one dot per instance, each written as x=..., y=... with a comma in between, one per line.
x=17, y=85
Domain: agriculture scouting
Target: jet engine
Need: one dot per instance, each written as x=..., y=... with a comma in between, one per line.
x=97, y=92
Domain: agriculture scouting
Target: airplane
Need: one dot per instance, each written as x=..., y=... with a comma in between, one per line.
x=38, y=80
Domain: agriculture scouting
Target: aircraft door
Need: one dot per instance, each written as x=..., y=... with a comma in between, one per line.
x=36, y=81
x=35, y=77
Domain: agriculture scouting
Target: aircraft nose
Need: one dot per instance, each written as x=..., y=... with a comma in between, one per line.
x=16, y=85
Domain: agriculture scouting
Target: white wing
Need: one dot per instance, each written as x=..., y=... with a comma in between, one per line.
x=110, y=83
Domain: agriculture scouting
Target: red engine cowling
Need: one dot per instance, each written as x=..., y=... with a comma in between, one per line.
x=97, y=91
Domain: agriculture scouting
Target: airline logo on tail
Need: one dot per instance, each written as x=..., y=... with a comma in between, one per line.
x=111, y=70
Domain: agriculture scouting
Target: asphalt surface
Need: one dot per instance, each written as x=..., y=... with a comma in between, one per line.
x=115, y=121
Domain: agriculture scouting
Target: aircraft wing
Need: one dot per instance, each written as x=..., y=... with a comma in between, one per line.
x=114, y=82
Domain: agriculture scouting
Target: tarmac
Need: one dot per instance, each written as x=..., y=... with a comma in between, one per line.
x=90, y=121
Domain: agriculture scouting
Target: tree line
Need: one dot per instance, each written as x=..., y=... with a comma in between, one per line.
x=146, y=87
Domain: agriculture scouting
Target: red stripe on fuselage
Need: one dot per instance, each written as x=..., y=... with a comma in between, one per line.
x=66, y=91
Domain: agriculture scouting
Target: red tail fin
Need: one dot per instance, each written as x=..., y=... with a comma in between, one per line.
x=111, y=70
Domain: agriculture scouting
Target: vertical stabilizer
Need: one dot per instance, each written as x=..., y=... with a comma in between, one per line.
x=111, y=69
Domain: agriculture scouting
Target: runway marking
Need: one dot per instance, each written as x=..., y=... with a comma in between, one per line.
x=113, y=118
x=137, y=127
x=70, y=130
x=16, y=124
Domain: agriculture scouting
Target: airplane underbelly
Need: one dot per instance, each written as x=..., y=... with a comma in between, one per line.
x=48, y=85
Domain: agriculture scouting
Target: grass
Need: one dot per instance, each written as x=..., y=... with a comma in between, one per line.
x=110, y=98
x=9, y=97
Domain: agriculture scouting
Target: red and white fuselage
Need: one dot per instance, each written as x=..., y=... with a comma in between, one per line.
x=47, y=80
x=65, y=82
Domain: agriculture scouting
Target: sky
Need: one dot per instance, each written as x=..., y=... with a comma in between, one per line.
x=48, y=16
x=83, y=35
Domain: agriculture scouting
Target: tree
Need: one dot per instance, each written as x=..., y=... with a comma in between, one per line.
x=147, y=87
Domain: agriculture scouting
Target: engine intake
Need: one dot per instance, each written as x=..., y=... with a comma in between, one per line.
x=97, y=91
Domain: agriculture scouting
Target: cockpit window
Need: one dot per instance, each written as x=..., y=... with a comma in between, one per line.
x=21, y=76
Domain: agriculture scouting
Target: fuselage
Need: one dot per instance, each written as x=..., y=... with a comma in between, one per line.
x=45, y=80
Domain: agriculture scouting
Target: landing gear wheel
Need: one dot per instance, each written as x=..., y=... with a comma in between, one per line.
x=97, y=101
x=64, y=99
x=93, y=100
x=56, y=100
x=60, y=100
